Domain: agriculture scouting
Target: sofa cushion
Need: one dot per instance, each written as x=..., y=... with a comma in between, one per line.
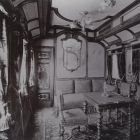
x=109, y=88
x=65, y=86
x=125, y=89
x=97, y=85
x=74, y=117
x=72, y=101
x=82, y=86
x=138, y=93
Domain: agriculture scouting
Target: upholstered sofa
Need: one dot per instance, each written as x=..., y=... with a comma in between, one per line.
x=73, y=90
x=70, y=100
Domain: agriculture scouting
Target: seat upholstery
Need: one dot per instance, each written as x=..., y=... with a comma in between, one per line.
x=74, y=117
x=70, y=117
x=97, y=85
x=72, y=101
x=65, y=86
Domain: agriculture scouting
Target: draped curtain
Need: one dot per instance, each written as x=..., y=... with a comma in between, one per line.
x=23, y=72
x=136, y=63
x=115, y=70
x=32, y=70
x=121, y=65
x=116, y=66
x=109, y=68
x=3, y=59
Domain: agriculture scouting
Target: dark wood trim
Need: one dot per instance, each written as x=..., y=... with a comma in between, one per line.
x=106, y=42
x=48, y=19
x=88, y=78
x=32, y=20
x=40, y=16
x=118, y=14
x=118, y=37
x=25, y=2
x=137, y=35
x=115, y=42
x=67, y=27
x=34, y=29
x=131, y=33
x=125, y=25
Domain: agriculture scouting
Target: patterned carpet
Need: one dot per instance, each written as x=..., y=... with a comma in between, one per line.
x=45, y=126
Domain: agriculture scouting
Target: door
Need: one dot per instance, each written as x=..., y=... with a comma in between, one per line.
x=45, y=73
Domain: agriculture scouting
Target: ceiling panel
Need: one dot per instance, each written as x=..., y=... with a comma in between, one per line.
x=110, y=39
x=17, y=2
x=125, y=35
x=35, y=32
x=72, y=8
x=136, y=28
x=33, y=24
x=31, y=10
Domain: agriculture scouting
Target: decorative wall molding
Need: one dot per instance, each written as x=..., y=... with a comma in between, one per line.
x=71, y=53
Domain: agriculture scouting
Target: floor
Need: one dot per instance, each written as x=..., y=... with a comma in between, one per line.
x=45, y=126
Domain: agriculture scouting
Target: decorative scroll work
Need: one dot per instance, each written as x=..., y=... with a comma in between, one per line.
x=44, y=70
x=71, y=54
x=44, y=78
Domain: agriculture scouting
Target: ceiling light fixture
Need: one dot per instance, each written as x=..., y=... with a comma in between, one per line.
x=87, y=19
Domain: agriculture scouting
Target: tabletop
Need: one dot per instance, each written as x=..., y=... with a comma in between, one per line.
x=101, y=99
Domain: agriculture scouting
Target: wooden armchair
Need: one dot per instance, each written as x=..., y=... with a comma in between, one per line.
x=70, y=117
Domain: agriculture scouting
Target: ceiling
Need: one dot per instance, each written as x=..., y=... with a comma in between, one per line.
x=37, y=13
x=71, y=9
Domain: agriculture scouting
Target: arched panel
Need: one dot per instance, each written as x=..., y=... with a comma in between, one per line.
x=70, y=57
x=96, y=60
x=125, y=35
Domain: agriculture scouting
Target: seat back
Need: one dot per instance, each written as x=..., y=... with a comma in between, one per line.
x=83, y=86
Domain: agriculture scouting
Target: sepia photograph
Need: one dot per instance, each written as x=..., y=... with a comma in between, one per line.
x=69, y=69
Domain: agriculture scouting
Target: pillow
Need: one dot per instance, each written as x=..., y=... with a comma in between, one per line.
x=97, y=85
x=109, y=88
x=82, y=86
x=138, y=93
x=125, y=89
x=65, y=86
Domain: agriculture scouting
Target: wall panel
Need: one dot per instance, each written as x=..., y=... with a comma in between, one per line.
x=96, y=60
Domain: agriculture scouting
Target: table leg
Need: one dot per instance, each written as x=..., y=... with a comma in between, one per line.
x=130, y=121
x=99, y=124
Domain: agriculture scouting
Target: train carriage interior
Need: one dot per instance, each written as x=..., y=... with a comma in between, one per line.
x=69, y=69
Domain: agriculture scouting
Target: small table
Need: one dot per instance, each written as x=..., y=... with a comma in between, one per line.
x=101, y=102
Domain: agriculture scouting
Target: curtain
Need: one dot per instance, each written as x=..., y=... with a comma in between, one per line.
x=136, y=62
x=121, y=65
x=109, y=68
x=115, y=70
x=32, y=70
x=23, y=72
x=129, y=71
x=1, y=88
x=4, y=57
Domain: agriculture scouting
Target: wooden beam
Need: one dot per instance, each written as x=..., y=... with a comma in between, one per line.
x=125, y=25
x=119, y=14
